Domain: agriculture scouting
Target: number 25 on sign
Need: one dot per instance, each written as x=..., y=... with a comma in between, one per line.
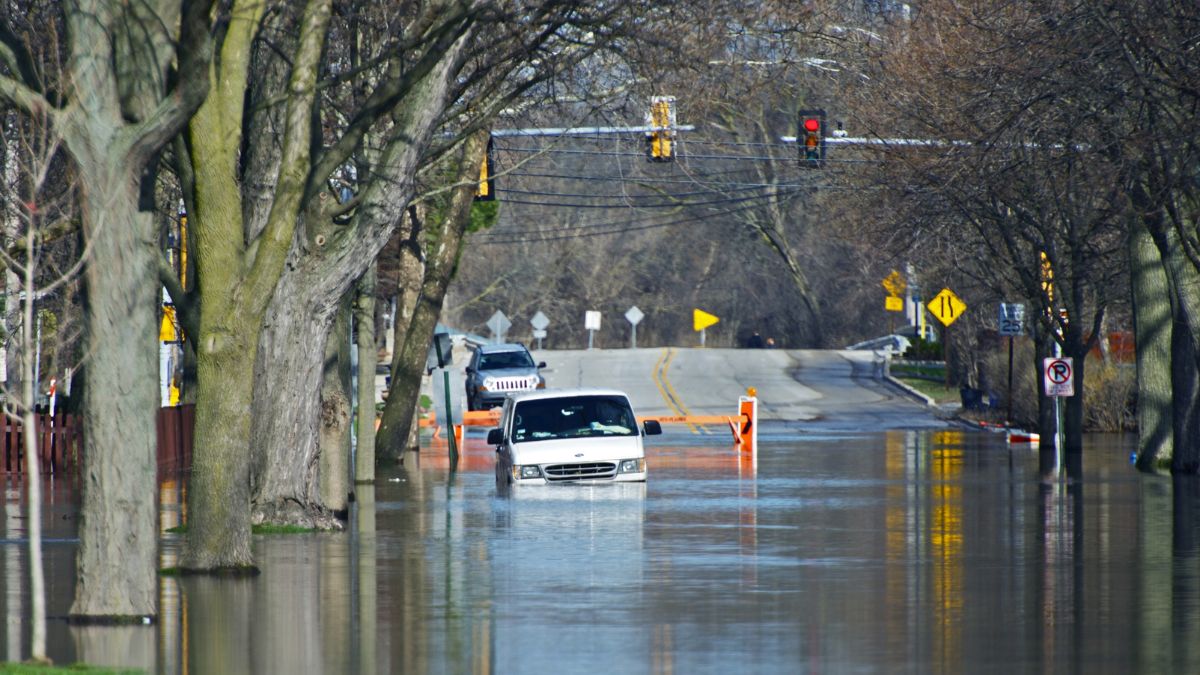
x=946, y=306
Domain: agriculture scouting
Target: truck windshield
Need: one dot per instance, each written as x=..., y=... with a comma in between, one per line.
x=502, y=360
x=573, y=417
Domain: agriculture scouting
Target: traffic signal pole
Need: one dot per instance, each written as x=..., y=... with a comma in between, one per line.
x=660, y=130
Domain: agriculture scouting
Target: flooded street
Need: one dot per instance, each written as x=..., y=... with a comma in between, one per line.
x=927, y=551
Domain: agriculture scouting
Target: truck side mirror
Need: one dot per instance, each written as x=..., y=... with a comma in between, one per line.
x=495, y=436
x=541, y=364
x=652, y=427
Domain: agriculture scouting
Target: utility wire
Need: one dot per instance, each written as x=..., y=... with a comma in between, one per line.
x=653, y=195
x=668, y=205
x=619, y=227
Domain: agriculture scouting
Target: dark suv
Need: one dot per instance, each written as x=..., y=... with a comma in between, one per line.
x=496, y=370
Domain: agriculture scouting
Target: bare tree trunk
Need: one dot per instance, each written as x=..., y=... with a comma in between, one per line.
x=117, y=561
x=333, y=444
x=1152, y=335
x=325, y=260
x=364, y=325
x=1047, y=422
x=412, y=273
x=12, y=282
x=287, y=390
x=1184, y=282
x=408, y=363
x=37, y=581
x=243, y=228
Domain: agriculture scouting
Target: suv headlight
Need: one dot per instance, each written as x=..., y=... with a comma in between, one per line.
x=487, y=384
x=526, y=471
x=632, y=466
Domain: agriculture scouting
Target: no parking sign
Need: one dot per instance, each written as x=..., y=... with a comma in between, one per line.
x=1058, y=376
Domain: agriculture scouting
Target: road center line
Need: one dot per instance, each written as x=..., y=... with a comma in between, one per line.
x=667, y=391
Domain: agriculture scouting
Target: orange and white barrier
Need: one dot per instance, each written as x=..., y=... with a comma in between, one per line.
x=743, y=425
x=745, y=431
x=1021, y=436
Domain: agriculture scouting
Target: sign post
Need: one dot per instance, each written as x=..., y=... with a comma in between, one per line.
x=539, y=322
x=701, y=320
x=1058, y=380
x=895, y=285
x=947, y=307
x=499, y=325
x=634, y=316
x=591, y=321
x=1012, y=323
x=442, y=346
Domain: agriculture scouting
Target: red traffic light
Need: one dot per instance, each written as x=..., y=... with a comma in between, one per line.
x=812, y=125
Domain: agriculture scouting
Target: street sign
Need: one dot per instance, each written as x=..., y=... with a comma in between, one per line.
x=894, y=284
x=946, y=306
x=591, y=321
x=634, y=316
x=499, y=325
x=702, y=319
x=893, y=304
x=539, y=322
x=1012, y=318
x=1058, y=376
x=539, y=333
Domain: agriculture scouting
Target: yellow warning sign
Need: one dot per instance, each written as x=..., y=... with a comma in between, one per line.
x=946, y=306
x=702, y=319
x=894, y=284
x=893, y=304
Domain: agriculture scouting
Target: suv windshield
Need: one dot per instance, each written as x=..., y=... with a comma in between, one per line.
x=573, y=417
x=502, y=360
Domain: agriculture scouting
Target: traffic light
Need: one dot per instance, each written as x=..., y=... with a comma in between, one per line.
x=486, y=191
x=811, y=138
x=660, y=141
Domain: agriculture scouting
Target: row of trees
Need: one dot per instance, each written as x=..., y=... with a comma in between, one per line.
x=300, y=135
x=1067, y=179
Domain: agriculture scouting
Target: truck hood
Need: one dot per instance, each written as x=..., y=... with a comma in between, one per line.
x=507, y=372
x=567, y=450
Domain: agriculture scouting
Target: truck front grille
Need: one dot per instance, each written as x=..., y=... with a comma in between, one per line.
x=581, y=471
x=511, y=384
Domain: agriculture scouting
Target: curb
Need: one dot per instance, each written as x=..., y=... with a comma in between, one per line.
x=910, y=392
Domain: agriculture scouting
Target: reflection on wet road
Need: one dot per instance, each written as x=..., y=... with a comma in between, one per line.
x=905, y=551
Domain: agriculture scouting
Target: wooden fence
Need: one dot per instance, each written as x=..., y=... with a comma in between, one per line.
x=60, y=441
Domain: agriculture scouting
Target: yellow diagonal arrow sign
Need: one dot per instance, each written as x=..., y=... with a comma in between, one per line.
x=702, y=319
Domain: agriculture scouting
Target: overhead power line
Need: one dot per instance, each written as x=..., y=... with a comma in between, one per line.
x=599, y=229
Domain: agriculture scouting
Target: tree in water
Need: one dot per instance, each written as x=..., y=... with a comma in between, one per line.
x=133, y=76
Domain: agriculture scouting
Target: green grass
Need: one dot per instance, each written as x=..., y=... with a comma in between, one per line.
x=938, y=391
x=282, y=529
x=926, y=371
x=30, y=669
x=258, y=529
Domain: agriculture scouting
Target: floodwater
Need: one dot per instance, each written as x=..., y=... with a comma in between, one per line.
x=897, y=552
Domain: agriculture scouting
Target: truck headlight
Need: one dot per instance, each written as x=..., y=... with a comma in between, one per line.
x=632, y=466
x=527, y=471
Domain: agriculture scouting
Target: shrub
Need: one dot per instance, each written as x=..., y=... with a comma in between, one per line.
x=1109, y=396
